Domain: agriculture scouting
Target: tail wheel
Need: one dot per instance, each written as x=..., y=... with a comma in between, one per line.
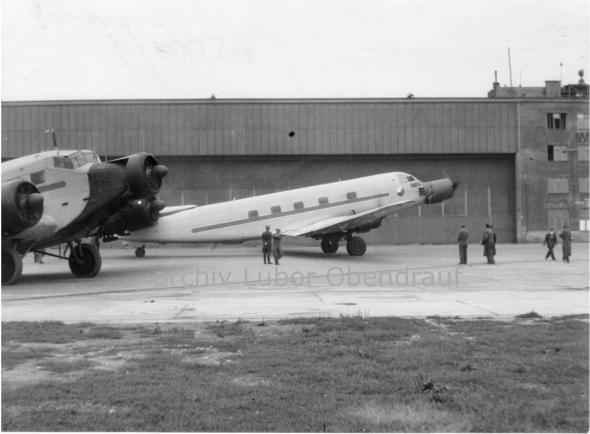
x=85, y=260
x=12, y=265
x=140, y=252
x=356, y=246
x=329, y=245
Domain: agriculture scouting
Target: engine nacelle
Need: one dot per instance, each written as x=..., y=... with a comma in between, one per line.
x=144, y=174
x=137, y=214
x=22, y=206
x=438, y=190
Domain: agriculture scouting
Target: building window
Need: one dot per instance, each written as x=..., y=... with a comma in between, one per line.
x=557, y=153
x=583, y=185
x=585, y=225
x=275, y=209
x=582, y=122
x=323, y=201
x=253, y=213
x=38, y=177
x=557, y=185
x=298, y=205
x=556, y=121
x=558, y=218
x=351, y=195
x=583, y=153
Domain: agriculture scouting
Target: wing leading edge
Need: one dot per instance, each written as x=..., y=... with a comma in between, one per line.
x=344, y=223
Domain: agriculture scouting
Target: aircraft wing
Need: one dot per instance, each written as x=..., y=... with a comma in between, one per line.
x=343, y=223
x=169, y=210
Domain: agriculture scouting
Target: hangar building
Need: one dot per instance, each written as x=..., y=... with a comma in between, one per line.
x=521, y=154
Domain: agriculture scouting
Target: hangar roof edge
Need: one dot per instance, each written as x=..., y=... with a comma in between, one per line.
x=289, y=101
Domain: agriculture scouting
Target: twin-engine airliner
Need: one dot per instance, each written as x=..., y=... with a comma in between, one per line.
x=329, y=212
x=59, y=196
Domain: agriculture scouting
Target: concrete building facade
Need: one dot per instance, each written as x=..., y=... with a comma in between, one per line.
x=513, y=154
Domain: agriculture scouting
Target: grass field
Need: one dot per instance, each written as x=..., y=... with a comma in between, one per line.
x=315, y=374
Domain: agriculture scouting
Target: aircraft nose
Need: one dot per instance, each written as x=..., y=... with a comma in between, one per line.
x=160, y=171
x=440, y=189
x=34, y=203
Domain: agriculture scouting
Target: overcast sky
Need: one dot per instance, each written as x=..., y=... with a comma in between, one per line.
x=128, y=49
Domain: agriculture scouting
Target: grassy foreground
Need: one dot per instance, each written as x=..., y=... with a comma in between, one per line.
x=345, y=374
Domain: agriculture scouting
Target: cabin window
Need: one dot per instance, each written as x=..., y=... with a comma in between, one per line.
x=323, y=201
x=253, y=213
x=298, y=205
x=275, y=209
x=38, y=177
x=351, y=195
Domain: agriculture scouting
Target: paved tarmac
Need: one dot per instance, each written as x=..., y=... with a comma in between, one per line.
x=231, y=282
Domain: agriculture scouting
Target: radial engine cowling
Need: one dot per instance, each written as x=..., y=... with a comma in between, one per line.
x=22, y=206
x=144, y=174
x=137, y=214
x=438, y=190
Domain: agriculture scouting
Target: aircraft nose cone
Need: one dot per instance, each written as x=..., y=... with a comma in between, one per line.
x=35, y=203
x=158, y=205
x=160, y=171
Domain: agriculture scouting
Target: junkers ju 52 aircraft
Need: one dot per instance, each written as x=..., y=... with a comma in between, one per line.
x=328, y=212
x=58, y=196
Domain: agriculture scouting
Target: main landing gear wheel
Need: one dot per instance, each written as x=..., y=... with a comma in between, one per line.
x=140, y=252
x=356, y=246
x=329, y=246
x=12, y=265
x=85, y=260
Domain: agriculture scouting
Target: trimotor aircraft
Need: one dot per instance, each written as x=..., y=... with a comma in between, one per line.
x=63, y=197
x=328, y=212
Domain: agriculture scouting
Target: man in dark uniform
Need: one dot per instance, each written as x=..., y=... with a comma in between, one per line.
x=277, y=251
x=266, y=244
x=489, y=244
x=550, y=241
x=566, y=243
x=462, y=241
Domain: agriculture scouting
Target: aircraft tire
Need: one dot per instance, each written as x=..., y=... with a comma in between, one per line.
x=329, y=246
x=12, y=265
x=89, y=263
x=140, y=252
x=356, y=246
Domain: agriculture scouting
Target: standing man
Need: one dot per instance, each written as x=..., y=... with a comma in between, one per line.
x=489, y=245
x=266, y=244
x=462, y=241
x=550, y=241
x=277, y=251
x=566, y=243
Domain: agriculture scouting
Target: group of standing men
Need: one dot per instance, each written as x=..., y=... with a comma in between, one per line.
x=566, y=243
x=488, y=240
x=271, y=243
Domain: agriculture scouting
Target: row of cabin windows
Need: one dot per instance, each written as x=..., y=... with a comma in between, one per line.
x=299, y=205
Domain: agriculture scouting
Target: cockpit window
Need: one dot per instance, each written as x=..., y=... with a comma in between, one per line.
x=62, y=163
x=410, y=178
x=91, y=157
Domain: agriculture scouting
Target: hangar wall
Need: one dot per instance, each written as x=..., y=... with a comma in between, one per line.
x=263, y=127
x=486, y=193
x=497, y=146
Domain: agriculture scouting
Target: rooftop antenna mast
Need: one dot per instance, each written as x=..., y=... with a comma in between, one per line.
x=510, y=66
